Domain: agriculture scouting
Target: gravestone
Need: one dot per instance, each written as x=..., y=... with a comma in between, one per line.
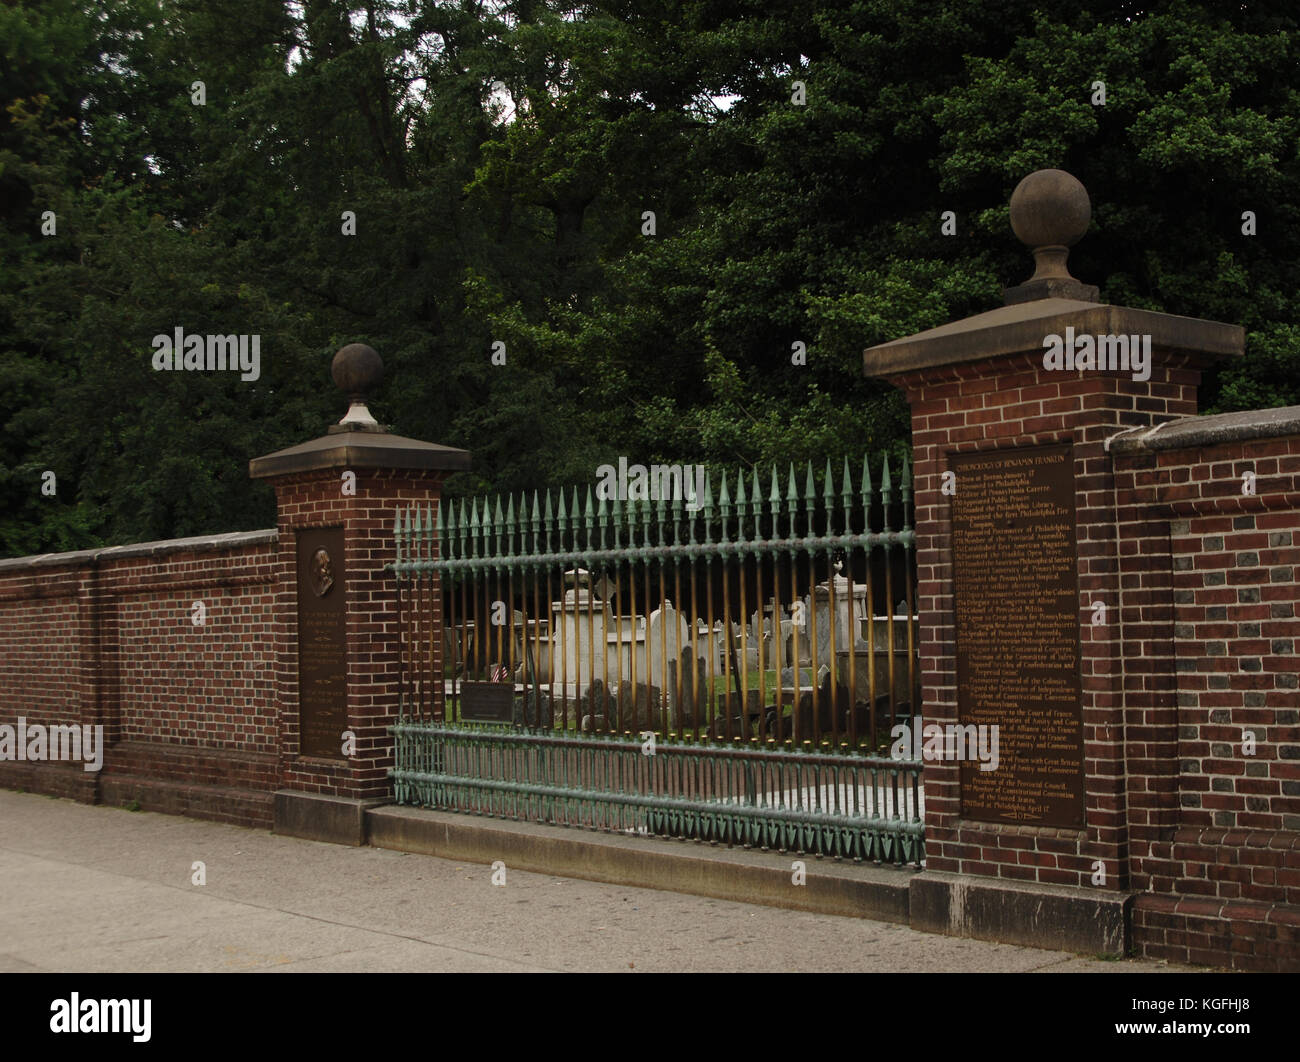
x=534, y=708
x=691, y=708
x=596, y=707
x=638, y=707
x=666, y=633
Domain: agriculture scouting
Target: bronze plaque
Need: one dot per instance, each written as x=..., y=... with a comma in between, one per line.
x=322, y=643
x=1016, y=593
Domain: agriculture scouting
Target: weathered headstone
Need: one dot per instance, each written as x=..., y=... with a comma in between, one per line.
x=638, y=707
x=666, y=633
x=534, y=708
x=595, y=707
x=688, y=711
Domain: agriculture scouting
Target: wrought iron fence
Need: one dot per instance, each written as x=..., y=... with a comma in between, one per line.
x=639, y=679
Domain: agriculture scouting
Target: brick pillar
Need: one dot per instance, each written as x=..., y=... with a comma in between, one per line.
x=343, y=488
x=982, y=385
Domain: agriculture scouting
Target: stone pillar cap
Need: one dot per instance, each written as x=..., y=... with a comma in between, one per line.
x=358, y=440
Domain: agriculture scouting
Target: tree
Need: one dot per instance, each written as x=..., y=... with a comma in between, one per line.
x=682, y=221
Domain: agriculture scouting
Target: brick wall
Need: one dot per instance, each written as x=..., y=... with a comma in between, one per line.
x=203, y=718
x=108, y=638
x=1215, y=830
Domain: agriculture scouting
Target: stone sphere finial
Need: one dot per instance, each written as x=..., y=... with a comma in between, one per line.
x=1050, y=212
x=1050, y=207
x=357, y=370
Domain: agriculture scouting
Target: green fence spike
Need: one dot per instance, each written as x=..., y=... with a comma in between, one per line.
x=510, y=526
x=430, y=537
x=561, y=519
x=828, y=498
x=450, y=537
x=536, y=523
x=675, y=504
x=397, y=539
x=602, y=519
x=616, y=518
x=462, y=529
x=791, y=500
x=575, y=518
x=886, y=495
x=756, y=503
x=588, y=527
x=473, y=526
x=774, y=500
x=707, y=510
x=866, y=490
x=742, y=503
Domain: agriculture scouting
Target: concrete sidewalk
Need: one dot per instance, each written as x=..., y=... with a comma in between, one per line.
x=102, y=889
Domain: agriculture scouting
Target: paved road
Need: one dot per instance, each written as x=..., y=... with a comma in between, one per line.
x=100, y=889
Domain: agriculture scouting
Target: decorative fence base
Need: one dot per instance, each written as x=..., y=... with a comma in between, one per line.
x=836, y=804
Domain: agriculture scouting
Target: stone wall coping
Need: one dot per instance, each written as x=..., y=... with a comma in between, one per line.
x=1210, y=430
x=198, y=544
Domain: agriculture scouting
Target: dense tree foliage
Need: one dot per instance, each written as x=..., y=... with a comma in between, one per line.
x=500, y=160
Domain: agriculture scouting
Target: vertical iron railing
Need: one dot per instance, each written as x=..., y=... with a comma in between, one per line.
x=749, y=614
x=774, y=614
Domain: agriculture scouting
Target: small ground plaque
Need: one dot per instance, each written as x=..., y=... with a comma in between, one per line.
x=487, y=702
x=1017, y=616
x=322, y=643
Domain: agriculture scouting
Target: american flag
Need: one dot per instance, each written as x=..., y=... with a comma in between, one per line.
x=499, y=673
